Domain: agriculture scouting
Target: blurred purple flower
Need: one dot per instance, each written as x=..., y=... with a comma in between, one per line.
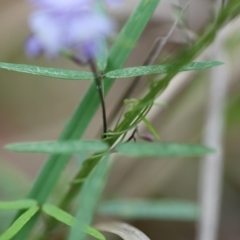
x=34, y=48
x=67, y=25
x=63, y=4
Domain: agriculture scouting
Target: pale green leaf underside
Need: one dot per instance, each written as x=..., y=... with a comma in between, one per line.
x=19, y=223
x=62, y=147
x=159, y=69
x=48, y=72
x=69, y=220
x=16, y=205
x=162, y=209
x=124, y=230
x=157, y=149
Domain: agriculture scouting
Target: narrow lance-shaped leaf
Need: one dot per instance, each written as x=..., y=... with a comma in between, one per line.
x=151, y=128
x=69, y=220
x=20, y=204
x=63, y=147
x=89, y=197
x=48, y=72
x=159, y=69
x=19, y=223
x=161, y=209
x=156, y=149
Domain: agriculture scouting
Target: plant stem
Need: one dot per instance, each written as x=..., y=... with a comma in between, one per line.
x=100, y=92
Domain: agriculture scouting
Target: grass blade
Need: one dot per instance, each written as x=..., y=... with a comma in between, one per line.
x=89, y=197
x=20, y=204
x=69, y=220
x=19, y=223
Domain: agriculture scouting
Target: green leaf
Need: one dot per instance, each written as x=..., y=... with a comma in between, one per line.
x=89, y=196
x=20, y=204
x=19, y=223
x=156, y=149
x=159, y=69
x=63, y=147
x=48, y=72
x=161, y=209
x=69, y=220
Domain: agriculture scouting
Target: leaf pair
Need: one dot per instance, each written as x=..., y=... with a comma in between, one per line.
x=120, y=73
x=51, y=210
x=140, y=149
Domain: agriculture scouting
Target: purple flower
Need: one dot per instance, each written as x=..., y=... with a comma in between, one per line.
x=67, y=25
x=63, y=5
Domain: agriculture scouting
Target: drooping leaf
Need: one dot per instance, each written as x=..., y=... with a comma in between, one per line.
x=156, y=149
x=124, y=230
x=159, y=69
x=69, y=220
x=48, y=72
x=63, y=147
x=19, y=223
x=142, y=209
x=20, y=204
x=89, y=197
